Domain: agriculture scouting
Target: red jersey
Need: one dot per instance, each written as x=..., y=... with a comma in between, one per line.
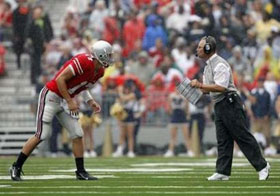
x=85, y=75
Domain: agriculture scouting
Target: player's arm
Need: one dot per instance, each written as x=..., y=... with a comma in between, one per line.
x=90, y=101
x=61, y=80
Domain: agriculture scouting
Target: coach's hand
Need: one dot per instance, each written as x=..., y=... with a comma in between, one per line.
x=195, y=83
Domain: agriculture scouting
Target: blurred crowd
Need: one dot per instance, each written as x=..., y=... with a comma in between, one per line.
x=154, y=45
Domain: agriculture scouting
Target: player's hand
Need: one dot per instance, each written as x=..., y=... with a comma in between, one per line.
x=195, y=83
x=73, y=107
x=95, y=107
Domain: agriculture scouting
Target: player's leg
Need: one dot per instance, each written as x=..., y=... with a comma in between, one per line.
x=45, y=113
x=76, y=134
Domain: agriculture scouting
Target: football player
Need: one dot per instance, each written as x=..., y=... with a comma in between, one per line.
x=56, y=99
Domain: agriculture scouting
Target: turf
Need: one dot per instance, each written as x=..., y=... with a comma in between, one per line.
x=143, y=176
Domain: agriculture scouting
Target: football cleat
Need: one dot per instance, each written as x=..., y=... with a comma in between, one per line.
x=15, y=172
x=83, y=175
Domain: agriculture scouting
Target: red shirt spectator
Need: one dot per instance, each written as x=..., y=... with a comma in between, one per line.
x=156, y=95
x=6, y=15
x=133, y=30
x=157, y=52
x=111, y=32
x=140, y=3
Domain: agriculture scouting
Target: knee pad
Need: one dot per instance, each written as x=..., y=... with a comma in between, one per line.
x=78, y=133
x=46, y=131
x=48, y=114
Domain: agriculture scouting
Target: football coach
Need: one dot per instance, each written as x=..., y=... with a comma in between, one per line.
x=230, y=118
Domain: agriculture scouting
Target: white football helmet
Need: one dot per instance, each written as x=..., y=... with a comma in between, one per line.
x=103, y=51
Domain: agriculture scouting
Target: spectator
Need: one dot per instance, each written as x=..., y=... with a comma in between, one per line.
x=154, y=31
x=78, y=47
x=261, y=108
x=133, y=30
x=155, y=98
x=40, y=32
x=158, y=52
x=70, y=22
x=275, y=41
x=178, y=110
x=6, y=17
x=111, y=31
x=239, y=63
x=263, y=27
x=127, y=98
x=96, y=19
x=250, y=46
x=87, y=121
x=201, y=113
x=182, y=55
x=167, y=70
x=195, y=30
x=208, y=20
x=65, y=55
x=142, y=68
x=178, y=15
x=277, y=109
x=20, y=19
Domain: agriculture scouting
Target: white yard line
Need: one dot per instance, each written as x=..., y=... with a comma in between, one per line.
x=5, y=186
x=142, y=193
x=199, y=177
x=47, y=177
x=185, y=164
x=144, y=187
x=129, y=170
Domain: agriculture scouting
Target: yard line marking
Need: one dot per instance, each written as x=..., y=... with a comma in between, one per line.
x=185, y=164
x=243, y=159
x=197, y=177
x=48, y=177
x=4, y=186
x=130, y=170
x=142, y=187
x=142, y=192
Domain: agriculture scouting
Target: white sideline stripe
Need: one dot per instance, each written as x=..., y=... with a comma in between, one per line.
x=242, y=160
x=142, y=192
x=130, y=170
x=4, y=186
x=203, y=177
x=48, y=177
x=185, y=164
x=144, y=187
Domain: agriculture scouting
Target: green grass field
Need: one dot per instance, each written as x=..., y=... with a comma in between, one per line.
x=138, y=176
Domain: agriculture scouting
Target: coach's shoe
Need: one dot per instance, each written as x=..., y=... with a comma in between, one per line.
x=264, y=173
x=83, y=175
x=15, y=172
x=217, y=176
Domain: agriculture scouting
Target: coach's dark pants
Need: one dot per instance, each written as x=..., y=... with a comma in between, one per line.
x=230, y=121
